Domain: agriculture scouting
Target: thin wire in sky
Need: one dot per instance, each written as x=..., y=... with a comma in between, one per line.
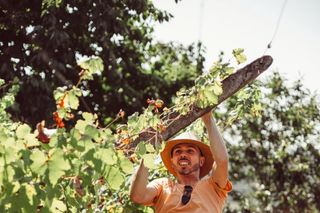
x=201, y=13
x=277, y=25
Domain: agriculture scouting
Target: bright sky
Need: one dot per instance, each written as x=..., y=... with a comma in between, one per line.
x=250, y=24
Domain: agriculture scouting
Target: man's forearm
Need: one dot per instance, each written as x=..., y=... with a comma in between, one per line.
x=218, y=148
x=219, y=151
x=139, y=184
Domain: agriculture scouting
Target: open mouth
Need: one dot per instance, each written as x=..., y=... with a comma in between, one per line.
x=184, y=162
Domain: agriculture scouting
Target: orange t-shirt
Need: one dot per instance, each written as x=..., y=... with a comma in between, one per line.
x=206, y=196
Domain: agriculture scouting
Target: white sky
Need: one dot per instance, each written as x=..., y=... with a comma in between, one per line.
x=224, y=25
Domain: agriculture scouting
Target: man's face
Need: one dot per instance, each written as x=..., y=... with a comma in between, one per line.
x=186, y=159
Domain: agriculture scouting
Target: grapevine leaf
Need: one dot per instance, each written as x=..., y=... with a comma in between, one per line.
x=21, y=198
x=239, y=55
x=81, y=126
x=150, y=148
x=39, y=162
x=23, y=130
x=92, y=132
x=114, y=177
x=210, y=97
x=72, y=100
x=217, y=88
x=149, y=160
x=126, y=165
x=57, y=166
x=32, y=140
x=58, y=206
x=141, y=149
x=106, y=155
x=59, y=92
x=93, y=65
x=89, y=117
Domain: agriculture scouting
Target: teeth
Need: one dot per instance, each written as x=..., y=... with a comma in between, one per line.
x=183, y=163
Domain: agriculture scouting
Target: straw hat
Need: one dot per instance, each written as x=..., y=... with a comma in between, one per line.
x=190, y=138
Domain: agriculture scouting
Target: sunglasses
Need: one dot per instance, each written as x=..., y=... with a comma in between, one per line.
x=186, y=194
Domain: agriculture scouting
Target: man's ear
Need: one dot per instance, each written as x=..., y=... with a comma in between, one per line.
x=202, y=160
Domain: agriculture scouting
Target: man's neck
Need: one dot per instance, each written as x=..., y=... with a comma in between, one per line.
x=188, y=179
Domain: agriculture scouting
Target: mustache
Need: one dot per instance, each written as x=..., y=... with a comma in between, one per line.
x=183, y=158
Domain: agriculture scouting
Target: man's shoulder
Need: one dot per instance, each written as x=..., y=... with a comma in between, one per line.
x=209, y=181
x=164, y=182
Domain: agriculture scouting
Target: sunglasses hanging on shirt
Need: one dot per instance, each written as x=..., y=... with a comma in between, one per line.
x=186, y=194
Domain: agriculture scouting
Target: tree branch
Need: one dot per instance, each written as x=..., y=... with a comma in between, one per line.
x=230, y=86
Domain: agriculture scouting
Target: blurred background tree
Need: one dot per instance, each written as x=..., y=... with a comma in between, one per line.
x=275, y=158
x=42, y=40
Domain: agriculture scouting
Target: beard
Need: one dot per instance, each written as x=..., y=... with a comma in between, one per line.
x=187, y=170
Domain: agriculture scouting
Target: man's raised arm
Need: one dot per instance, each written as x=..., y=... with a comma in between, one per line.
x=139, y=190
x=218, y=149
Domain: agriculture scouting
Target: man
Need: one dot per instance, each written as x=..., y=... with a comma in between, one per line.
x=189, y=160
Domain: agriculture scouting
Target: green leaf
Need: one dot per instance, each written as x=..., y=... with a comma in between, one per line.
x=30, y=191
x=57, y=166
x=81, y=126
x=217, y=88
x=59, y=92
x=141, y=149
x=126, y=165
x=39, y=164
x=72, y=100
x=114, y=177
x=201, y=80
x=3, y=135
x=149, y=160
x=92, y=65
x=239, y=55
x=9, y=149
x=92, y=132
x=210, y=97
x=86, y=143
x=150, y=148
x=22, y=201
x=8, y=174
x=107, y=156
x=32, y=140
x=58, y=206
x=134, y=123
x=153, y=120
x=46, y=4
x=23, y=130
x=89, y=117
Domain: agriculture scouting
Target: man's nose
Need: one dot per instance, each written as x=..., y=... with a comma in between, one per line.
x=183, y=155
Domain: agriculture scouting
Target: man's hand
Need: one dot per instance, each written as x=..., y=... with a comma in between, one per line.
x=207, y=118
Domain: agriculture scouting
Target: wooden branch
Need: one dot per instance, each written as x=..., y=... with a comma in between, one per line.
x=230, y=86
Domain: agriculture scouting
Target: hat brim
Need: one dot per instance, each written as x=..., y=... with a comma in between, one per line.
x=204, y=148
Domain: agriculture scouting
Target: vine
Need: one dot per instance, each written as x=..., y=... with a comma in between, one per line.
x=86, y=167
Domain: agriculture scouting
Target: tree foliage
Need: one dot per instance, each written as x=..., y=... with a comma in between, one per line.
x=41, y=42
x=80, y=168
x=275, y=157
x=73, y=169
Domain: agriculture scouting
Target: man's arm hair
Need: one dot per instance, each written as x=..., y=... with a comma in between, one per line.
x=219, y=151
x=140, y=192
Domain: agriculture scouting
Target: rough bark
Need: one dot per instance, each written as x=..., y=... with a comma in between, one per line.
x=230, y=86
